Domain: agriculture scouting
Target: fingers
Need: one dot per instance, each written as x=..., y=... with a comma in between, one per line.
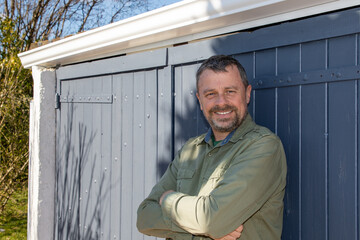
x=240, y=228
x=227, y=237
x=233, y=235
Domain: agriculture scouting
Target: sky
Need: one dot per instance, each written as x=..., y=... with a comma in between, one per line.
x=161, y=3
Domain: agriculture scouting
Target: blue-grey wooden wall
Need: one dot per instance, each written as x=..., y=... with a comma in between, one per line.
x=120, y=120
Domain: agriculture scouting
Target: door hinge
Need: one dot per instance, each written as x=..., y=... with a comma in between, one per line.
x=57, y=101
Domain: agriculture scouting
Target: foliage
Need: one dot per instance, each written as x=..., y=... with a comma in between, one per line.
x=23, y=23
x=13, y=221
x=15, y=92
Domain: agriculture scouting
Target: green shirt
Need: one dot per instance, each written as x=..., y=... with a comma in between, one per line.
x=240, y=181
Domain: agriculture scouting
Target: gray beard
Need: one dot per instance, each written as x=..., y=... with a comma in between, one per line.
x=231, y=127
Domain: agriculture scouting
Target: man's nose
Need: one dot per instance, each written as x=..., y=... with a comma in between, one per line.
x=221, y=99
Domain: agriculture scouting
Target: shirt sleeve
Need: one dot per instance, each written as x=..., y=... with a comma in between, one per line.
x=150, y=218
x=251, y=179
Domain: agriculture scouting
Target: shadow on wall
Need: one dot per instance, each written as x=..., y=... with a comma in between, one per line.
x=78, y=207
x=188, y=122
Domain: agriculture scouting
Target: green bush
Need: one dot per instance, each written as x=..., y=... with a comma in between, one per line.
x=15, y=95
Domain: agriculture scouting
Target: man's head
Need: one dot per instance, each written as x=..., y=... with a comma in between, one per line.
x=223, y=92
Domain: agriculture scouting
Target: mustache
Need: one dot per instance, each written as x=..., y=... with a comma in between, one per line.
x=225, y=107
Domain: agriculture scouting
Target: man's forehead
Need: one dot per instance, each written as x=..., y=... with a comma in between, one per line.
x=209, y=73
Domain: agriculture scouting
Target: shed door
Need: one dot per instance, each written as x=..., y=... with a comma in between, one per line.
x=83, y=158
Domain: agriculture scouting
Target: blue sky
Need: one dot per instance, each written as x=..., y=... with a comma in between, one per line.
x=161, y=3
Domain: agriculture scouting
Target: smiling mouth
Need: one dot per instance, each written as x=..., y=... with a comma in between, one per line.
x=223, y=113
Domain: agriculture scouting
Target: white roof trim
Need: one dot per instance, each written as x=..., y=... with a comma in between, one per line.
x=180, y=22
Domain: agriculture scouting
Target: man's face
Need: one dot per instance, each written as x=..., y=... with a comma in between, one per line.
x=223, y=100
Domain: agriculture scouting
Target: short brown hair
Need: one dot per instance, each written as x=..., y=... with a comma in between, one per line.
x=218, y=63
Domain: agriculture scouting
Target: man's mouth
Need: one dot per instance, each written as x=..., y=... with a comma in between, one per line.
x=223, y=113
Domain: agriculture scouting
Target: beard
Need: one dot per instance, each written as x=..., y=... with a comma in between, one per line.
x=225, y=124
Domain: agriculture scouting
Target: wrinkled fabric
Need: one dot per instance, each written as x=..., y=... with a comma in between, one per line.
x=240, y=181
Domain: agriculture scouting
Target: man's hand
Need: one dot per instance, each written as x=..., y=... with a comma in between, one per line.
x=164, y=195
x=233, y=235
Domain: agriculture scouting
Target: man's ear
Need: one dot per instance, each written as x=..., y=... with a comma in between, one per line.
x=198, y=97
x=248, y=93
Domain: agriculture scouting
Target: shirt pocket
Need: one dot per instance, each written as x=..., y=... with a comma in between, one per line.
x=184, y=180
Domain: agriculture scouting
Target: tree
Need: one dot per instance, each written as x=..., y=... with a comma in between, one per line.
x=15, y=92
x=23, y=23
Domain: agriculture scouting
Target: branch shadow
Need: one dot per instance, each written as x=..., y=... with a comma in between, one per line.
x=78, y=214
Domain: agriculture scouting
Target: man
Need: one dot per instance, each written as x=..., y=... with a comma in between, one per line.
x=227, y=182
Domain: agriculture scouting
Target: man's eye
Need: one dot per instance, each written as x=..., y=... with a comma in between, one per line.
x=230, y=91
x=210, y=94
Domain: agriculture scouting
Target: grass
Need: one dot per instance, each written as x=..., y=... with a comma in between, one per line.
x=14, y=219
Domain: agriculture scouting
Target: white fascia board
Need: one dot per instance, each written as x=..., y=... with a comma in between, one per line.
x=180, y=22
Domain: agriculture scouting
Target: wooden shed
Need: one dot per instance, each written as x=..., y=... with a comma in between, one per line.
x=112, y=105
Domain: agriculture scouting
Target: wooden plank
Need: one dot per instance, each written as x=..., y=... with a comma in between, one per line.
x=150, y=138
x=151, y=130
x=265, y=108
x=342, y=160
x=138, y=148
x=187, y=116
x=67, y=183
x=165, y=125
x=178, y=100
x=115, y=64
x=288, y=131
x=265, y=63
x=127, y=187
x=116, y=166
x=288, y=59
x=313, y=163
x=342, y=51
x=313, y=55
x=105, y=171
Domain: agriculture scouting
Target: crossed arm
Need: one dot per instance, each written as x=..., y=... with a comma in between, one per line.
x=237, y=196
x=231, y=236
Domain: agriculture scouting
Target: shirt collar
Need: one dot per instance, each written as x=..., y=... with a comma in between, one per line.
x=236, y=134
x=226, y=140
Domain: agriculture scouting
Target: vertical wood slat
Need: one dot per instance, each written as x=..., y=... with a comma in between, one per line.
x=265, y=108
x=116, y=165
x=342, y=161
x=106, y=156
x=313, y=162
x=95, y=164
x=288, y=131
x=150, y=136
x=85, y=169
x=178, y=99
x=127, y=165
x=138, y=148
x=265, y=64
x=165, y=125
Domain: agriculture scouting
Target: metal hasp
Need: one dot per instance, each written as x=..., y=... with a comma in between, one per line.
x=82, y=99
x=310, y=77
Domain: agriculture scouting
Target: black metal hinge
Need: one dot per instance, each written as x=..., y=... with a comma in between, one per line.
x=57, y=101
